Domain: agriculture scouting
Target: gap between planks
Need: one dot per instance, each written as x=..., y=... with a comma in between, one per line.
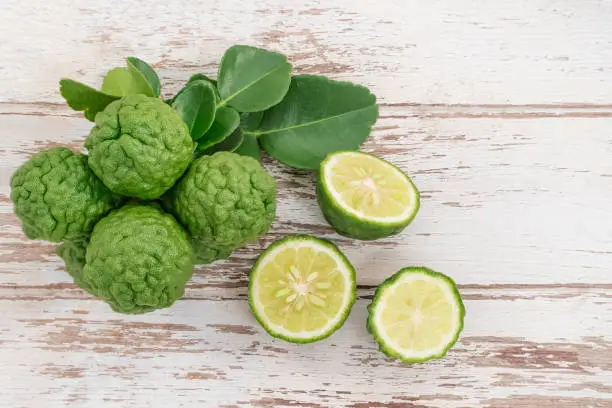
x=227, y=291
x=389, y=110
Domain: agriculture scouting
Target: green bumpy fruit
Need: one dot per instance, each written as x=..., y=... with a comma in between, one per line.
x=73, y=253
x=139, y=146
x=204, y=254
x=139, y=259
x=57, y=197
x=225, y=201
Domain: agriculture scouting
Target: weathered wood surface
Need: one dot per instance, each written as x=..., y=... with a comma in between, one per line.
x=501, y=112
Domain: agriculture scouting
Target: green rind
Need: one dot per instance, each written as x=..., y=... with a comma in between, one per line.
x=139, y=147
x=385, y=348
x=73, y=253
x=57, y=197
x=349, y=225
x=345, y=314
x=204, y=255
x=138, y=259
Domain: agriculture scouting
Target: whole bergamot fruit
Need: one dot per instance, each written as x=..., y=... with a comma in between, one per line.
x=225, y=201
x=139, y=146
x=138, y=259
x=57, y=196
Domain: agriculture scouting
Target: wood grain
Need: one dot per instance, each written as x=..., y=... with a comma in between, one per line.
x=500, y=112
x=216, y=349
x=520, y=52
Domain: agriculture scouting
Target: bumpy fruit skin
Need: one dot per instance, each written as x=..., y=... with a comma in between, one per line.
x=57, y=197
x=224, y=200
x=139, y=146
x=204, y=254
x=73, y=253
x=138, y=259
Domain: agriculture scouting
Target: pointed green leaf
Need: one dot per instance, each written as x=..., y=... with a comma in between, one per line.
x=196, y=105
x=226, y=121
x=81, y=97
x=230, y=143
x=252, y=79
x=249, y=147
x=121, y=81
x=139, y=67
x=318, y=116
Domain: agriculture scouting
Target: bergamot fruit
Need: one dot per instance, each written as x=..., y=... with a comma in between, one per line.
x=139, y=146
x=57, y=197
x=139, y=259
x=301, y=289
x=225, y=201
x=416, y=315
x=73, y=254
x=365, y=197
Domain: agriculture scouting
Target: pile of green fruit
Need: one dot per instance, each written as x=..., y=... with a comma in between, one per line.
x=168, y=184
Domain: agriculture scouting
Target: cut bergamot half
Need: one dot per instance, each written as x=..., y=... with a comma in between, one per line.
x=301, y=289
x=365, y=197
x=416, y=315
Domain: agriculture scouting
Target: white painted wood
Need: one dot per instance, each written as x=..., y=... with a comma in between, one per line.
x=501, y=113
x=504, y=200
x=215, y=353
x=438, y=51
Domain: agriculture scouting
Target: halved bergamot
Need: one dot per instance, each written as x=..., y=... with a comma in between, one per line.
x=301, y=289
x=416, y=315
x=365, y=197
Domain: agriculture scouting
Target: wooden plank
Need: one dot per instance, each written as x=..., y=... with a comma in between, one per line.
x=512, y=201
x=214, y=353
x=521, y=52
x=501, y=113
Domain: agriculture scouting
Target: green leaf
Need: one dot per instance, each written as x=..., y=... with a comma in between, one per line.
x=251, y=79
x=139, y=67
x=249, y=147
x=318, y=116
x=226, y=121
x=250, y=120
x=230, y=143
x=81, y=97
x=121, y=81
x=192, y=79
x=201, y=77
x=196, y=105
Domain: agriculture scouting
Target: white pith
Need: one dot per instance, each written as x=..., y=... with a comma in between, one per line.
x=346, y=298
x=328, y=170
x=446, y=340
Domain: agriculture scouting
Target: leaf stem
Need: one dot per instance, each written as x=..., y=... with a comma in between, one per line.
x=252, y=133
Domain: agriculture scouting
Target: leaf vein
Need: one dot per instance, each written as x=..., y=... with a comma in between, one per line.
x=232, y=96
x=266, y=132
